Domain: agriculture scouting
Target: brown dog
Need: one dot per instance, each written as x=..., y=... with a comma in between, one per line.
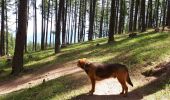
x=97, y=72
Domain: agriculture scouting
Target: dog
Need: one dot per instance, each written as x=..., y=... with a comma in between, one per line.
x=99, y=71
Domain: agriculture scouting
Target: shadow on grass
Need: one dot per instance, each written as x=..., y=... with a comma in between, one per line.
x=58, y=89
x=122, y=47
x=36, y=56
x=125, y=50
x=89, y=49
x=143, y=51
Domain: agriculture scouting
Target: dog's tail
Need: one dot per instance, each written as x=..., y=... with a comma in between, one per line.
x=129, y=80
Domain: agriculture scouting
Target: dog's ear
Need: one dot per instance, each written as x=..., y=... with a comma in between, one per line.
x=81, y=61
x=88, y=63
x=84, y=59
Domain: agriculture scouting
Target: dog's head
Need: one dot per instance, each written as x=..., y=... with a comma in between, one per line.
x=82, y=62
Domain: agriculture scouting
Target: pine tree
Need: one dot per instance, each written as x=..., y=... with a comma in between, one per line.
x=17, y=64
x=112, y=22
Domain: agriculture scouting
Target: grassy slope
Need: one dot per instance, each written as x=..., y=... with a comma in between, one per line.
x=150, y=48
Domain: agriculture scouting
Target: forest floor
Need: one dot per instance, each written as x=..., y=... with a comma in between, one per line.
x=37, y=77
x=64, y=80
x=105, y=90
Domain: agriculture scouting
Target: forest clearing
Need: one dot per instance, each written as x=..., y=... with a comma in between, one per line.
x=48, y=49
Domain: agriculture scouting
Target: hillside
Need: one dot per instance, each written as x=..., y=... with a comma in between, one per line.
x=144, y=56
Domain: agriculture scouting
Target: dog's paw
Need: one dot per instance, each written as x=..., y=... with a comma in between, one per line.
x=121, y=93
x=125, y=95
x=91, y=92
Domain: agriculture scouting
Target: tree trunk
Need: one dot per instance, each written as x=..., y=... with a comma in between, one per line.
x=91, y=23
x=42, y=27
x=164, y=13
x=72, y=26
x=121, y=16
x=117, y=15
x=107, y=18
x=16, y=8
x=95, y=24
x=75, y=28
x=25, y=45
x=6, y=27
x=51, y=33
x=35, y=22
x=150, y=21
x=143, y=25
x=156, y=13
x=33, y=25
x=69, y=24
x=48, y=14
x=84, y=22
x=101, y=20
x=58, y=26
x=2, y=43
x=136, y=15
x=131, y=16
x=17, y=64
x=64, y=17
x=112, y=22
x=168, y=14
x=79, y=21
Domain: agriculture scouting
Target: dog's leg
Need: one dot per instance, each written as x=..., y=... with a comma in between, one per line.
x=125, y=88
x=93, y=85
x=122, y=81
x=122, y=91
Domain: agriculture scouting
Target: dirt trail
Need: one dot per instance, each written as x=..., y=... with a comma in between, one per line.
x=37, y=77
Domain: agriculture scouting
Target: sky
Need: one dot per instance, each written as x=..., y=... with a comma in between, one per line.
x=12, y=20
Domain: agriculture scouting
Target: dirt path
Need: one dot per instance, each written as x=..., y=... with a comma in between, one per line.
x=103, y=88
x=36, y=78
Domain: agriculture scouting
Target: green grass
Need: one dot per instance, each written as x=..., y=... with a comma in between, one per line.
x=146, y=48
x=58, y=89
